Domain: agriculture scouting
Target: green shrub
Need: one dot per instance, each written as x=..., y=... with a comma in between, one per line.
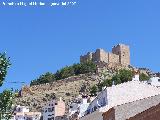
x=75, y=69
x=45, y=78
x=143, y=77
x=94, y=90
x=121, y=76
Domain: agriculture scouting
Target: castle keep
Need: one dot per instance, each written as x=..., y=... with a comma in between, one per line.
x=120, y=55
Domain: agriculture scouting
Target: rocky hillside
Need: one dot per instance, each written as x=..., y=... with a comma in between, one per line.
x=69, y=88
x=36, y=96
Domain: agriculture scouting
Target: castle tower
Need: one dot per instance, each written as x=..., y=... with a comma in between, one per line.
x=100, y=55
x=124, y=53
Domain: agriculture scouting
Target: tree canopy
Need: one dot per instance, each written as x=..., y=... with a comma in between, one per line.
x=6, y=102
x=143, y=77
x=4, y=65
x=121, y=76
x=6, y=97
x=94, y=90
x=45, y=78
x=65, y=72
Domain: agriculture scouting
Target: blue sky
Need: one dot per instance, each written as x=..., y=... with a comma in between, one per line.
x=42, y=39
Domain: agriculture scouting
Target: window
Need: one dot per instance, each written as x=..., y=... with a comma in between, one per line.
x=49, y=109
x=88, y=111
x=51, y=118
x=95, y=108
x=71, y=106
x=158, y=80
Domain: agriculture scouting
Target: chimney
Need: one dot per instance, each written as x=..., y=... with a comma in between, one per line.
x=113, y=83
x=136, y=76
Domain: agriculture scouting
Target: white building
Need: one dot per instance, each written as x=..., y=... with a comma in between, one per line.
x=118, y=95
x=80, y=107
x=136, y=77
x=21, y=109
x=83, y=107
x=53, y=109
x=73, y=108
x=22, y=113
x=155, y=81
x=28, y=116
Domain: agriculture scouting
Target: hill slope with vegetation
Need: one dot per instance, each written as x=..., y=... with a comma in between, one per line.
x=71, y=81
x=68, y=71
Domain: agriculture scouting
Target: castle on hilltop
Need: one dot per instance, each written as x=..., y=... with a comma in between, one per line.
x=120, y=55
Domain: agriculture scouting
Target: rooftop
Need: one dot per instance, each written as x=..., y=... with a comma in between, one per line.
x=128, y=110
x=128, y=92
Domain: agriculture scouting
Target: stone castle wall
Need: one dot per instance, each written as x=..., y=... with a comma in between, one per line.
x=124, y=53
x=100, y=55
x=86, y=57
x=113, y=58
x=120, y=54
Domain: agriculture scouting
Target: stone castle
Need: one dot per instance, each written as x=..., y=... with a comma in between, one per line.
x=120, y=55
